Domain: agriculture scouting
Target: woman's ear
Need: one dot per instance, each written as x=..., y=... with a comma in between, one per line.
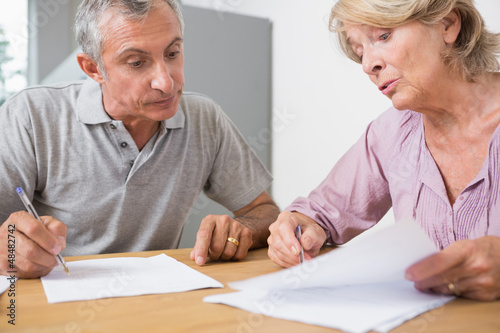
x=90, y=67
x=452, y=24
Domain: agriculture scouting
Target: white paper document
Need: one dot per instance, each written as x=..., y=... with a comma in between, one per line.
x=356, y=288
x=7, y=282
x=115, y=277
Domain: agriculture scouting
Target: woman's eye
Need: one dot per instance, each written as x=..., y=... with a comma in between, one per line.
x=385, y=36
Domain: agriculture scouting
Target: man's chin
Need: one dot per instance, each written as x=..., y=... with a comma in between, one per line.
x=159, y=114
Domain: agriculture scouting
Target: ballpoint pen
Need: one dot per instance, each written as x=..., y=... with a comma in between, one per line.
x=298, y=234
x=29, y=207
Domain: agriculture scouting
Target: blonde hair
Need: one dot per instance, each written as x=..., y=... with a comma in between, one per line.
x=475, y=50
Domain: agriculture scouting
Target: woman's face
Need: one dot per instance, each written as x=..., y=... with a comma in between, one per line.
x=405, y=62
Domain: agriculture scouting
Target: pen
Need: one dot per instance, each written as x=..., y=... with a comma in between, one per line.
x=29, y=207
x=298, y=234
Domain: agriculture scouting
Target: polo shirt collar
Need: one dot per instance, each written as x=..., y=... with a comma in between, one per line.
x=90, y=110
x=177, y=121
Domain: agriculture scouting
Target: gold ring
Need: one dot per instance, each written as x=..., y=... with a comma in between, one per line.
x=233, y=240
x=453, y=288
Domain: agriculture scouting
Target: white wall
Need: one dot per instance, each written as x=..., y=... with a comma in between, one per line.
x=322, y=101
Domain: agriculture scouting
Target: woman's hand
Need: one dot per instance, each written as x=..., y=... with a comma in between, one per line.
x=469, y=268
x=284, y=248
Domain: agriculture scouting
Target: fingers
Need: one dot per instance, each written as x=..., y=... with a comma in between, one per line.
x=469, y=268
x=212, y=239
x=437, y=264
x=38, y=232
x=436, y=272
x=231, y=251
x=203, y=240
x=33, y=243
x=56, y=228
x=220, y=247
x=30, y=259
x=482, y=288
x=281, y=258
x=313, y=238
x=279, y=252
x=284, y=247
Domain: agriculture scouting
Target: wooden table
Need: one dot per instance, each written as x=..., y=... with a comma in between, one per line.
x=186, y=312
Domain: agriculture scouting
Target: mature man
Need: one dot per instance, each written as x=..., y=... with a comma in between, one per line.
x=114, y=163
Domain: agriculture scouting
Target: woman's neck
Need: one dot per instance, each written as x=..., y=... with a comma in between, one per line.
x=465, y=107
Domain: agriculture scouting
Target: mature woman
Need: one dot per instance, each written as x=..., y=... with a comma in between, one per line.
x=433, y=157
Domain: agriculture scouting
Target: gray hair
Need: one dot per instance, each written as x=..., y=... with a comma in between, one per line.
x=88, y=22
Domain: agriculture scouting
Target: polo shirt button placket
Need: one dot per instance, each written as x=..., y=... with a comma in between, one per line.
x=124, y=144
x=113, y=126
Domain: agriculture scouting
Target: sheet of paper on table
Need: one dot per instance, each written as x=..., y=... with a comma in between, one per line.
x=6, y=282
x=355, y=288
x=115, y=277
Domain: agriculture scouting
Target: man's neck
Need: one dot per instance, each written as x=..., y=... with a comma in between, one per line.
x=142, y=131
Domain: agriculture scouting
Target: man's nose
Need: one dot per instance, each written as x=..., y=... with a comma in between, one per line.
x=162, y=80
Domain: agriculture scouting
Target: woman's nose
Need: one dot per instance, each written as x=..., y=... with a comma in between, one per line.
x=372, y=62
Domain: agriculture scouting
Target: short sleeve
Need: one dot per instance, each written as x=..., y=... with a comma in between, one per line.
x=237, y=176
x=17, y=156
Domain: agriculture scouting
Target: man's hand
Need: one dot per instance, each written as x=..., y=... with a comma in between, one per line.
x=470, y=268
x=226, y=238
x=284, y=247
x=212, y=239
x=34, y=244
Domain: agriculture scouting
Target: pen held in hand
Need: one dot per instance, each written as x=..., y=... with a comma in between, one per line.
x=298, y=234
x=31, y=210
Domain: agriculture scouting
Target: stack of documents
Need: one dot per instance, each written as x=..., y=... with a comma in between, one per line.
x=356, y=288
x=114, y=277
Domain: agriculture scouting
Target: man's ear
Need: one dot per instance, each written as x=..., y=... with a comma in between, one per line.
x=90, y=67
x=452, y=25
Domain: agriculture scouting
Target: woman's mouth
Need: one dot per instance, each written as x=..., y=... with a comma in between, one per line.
x=388, y=86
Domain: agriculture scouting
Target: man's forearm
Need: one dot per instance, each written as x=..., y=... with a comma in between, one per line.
x=258, y=221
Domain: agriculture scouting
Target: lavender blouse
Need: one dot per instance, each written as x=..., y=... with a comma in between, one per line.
x=390, y=165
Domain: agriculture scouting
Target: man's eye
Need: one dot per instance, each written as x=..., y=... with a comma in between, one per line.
x=385, y=36
x=173, y=54
x=135, y=63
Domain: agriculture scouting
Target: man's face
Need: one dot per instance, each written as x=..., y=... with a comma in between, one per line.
x=144, y=62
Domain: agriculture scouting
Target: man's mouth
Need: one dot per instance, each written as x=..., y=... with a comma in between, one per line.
x=164, y=101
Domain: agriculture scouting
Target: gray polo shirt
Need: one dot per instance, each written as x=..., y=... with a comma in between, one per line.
x=83, y=167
